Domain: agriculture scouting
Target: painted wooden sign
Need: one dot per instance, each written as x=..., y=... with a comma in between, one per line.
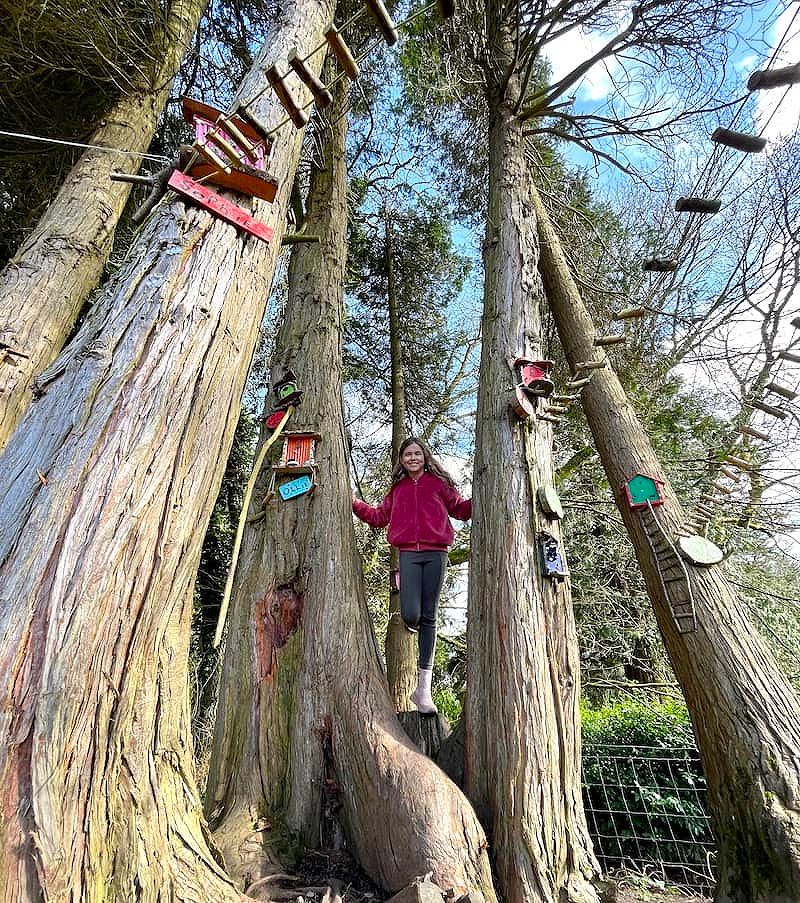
x=219, y=206
x=294, y=488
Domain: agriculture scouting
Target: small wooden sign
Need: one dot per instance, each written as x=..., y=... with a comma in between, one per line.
x=294, y=488
x=219, y=206
x=699, y=551
x=549, y=502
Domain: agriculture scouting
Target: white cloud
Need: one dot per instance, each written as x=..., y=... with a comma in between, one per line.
x=778, y=110
x=571, y=49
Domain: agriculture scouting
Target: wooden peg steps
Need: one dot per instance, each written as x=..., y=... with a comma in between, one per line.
x=590, y=365
x=601, y=341
x=383, y=20
x=629, y=313
x=322, y=96
x=299, y=117
x=764, y=79
x=342, y=53
x=698, y=205
x=555, y=409
x=730, y=474
x=579, y=383
x=789, y=356
x=748, y=144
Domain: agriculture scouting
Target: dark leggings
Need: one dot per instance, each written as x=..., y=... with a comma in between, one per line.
x=421, y=579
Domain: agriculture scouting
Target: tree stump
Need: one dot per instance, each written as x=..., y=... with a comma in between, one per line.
x=429, y=732
x=451, y=754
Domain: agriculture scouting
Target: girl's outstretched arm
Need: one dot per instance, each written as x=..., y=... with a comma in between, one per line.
x=456, y=506
x=375, y=517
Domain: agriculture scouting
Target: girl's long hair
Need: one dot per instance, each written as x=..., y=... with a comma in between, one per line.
x=431, y=464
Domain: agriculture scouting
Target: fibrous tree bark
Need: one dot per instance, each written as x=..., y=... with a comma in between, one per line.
x=44, y=287
x=306, y=733
x=746, y=716
x=401, y=646
x=107, y=485
x=522, y=720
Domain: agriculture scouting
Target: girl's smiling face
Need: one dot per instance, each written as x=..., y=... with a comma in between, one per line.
x=413, y=459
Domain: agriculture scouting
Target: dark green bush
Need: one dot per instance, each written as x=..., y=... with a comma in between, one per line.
x=644, y=790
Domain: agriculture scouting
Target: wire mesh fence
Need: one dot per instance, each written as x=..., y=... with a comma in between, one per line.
x=646, y=809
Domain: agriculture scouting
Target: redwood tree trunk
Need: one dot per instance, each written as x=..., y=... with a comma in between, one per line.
x=746, y=716
x=307, y=733
x=522, y=719
x=401, y=646
x=107, y=486
x=43, y=288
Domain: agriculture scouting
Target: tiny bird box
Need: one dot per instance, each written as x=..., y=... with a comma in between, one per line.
x=641, y=489
x=535, y=376
x=287, y=390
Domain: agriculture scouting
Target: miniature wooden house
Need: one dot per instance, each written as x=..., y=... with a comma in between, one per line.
x=642, y=489
x=298, y=453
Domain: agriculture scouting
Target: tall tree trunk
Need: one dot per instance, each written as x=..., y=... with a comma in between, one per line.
x=107, y=487
x=401, y=646
x=522, y=719
x=43, y=288
x=746, y=717
x=301, y=682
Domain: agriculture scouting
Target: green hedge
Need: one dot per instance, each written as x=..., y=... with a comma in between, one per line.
x=644, y=791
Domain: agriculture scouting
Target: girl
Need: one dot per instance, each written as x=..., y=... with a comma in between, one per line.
x=416, y=509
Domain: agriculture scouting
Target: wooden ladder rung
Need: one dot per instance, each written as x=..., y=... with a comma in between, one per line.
x=698, y=205
x=322, y=96
x=212, y=156
x=299, y=117
x=752, y=431
x=764, y=79
x=660, y=265
x=769, y=409
x=342, y=53
x=748, y=144
x=738, y=462
x=384, y=21
x=779, y=389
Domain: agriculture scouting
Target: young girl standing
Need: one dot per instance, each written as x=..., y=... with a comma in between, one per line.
x=417, y=509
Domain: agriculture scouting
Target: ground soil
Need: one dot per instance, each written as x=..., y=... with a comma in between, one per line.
x=320, y=870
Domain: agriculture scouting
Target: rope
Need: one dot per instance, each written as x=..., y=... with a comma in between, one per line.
x=237, y=545
x=158, y=158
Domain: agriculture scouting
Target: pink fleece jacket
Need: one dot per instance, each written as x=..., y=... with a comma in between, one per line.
x=417, y=513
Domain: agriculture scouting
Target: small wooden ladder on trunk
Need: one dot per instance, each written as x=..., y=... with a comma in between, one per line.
x=672, y=572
